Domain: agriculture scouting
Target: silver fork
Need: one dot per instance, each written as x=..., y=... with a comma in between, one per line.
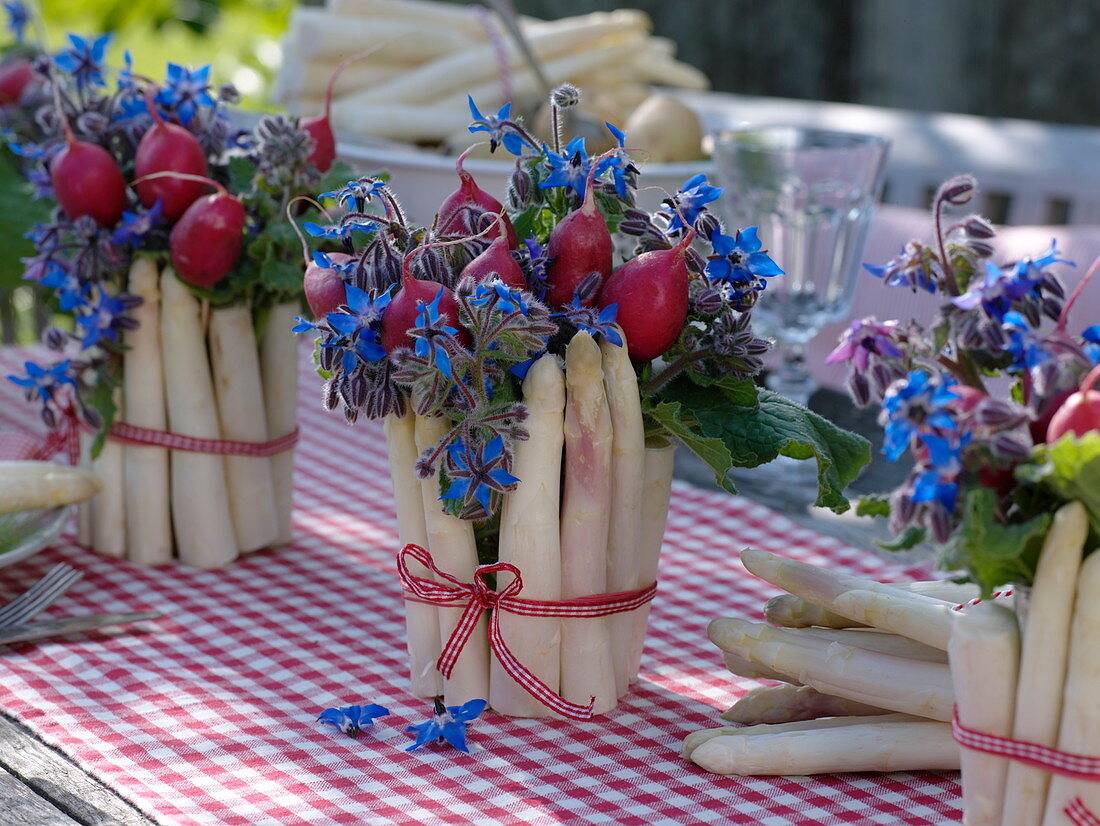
x=39, y=596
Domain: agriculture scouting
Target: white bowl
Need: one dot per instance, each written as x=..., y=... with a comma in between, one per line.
x=423, y=179
x=26, y=533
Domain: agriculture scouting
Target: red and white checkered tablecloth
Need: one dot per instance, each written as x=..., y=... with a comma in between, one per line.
x=209, y=715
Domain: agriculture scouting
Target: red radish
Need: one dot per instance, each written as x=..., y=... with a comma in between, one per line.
x=324, y=286
x=168, y=147
x=14, y=77
x=87, y=181
x=206, y=242
x=652, y=293
x=469, y=194
x=497, y=260
x=579, y=245
x=401, y=313
x=1080, y=413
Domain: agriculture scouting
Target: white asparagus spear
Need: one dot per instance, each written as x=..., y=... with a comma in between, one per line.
x=84, y=511
x=656, y=495
x=235, y=363
x=587, y=664
x=399, y=42
x=794, y=612
x=792, y=703
x=1080, y=729
x=145, y=467
x=869, y=746
x=927, y=621
x=421, y=620
x=109, y=505
x=627, y=489
x=985, y=660
x=452, y=546
x=308, y=79
x=200, y=497
x=744, y=667
x=895, y=683
x=1043, y=654
x=451, y=75
x=455, y=17
x=697, y=738
x=279, y=366
x=530, y=540
x=823, y=587
x=874, y=639
x=26, y=485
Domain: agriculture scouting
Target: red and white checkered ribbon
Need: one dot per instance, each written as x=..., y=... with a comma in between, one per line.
x=1082, y=766
x=476, y=597
x=995, y=595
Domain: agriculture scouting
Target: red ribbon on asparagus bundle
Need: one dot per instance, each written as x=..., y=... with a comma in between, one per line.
x=477, y=596
x=1082, y=766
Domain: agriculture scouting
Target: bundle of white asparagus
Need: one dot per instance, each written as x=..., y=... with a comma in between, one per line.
x=203, y=373
x=598, y=532
x=428, y=56
x=864, y=682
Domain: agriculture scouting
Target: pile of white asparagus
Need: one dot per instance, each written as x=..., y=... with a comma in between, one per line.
x=864, y=682
x=428, y=56
x=198, y=372
x=599, y=532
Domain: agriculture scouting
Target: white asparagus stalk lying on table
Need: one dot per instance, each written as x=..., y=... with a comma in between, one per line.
x=455, y=17
x=1080, y=728
x=1043, y=655
x=28, y=485
x=306, y=80
x=235, y=364
x=792, y=703
x=743, y=667
x=109, y=505
x=145, y=467
x=530, y=540
x=450, y=541
x=421, y=620
x=200, y=497
x=627, y=490
x=453, y=74
x=858, y=747
x=824, y=587
x=279, y=369
x=881, y=680
x=873, y=639
x=315, y=32
x=698, y=738
x=985, y=661
x=587, y=664
x=656, y=495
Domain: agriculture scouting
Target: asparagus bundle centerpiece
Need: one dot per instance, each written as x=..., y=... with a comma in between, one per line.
x=169, y=250
x=1005, y=486
x=534, y=361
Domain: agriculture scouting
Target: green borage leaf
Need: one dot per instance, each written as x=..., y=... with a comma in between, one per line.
x=1069, y=469
x=732, y=423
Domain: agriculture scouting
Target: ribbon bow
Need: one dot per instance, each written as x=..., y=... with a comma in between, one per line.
x=1065, y=763
x=476, y=596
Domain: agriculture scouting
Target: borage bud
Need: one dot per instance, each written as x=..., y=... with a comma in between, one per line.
x=55, y=338
x=519, y=188
x=707, y=300
x=939, y=521
x=977, y=227
x=1052, y=308
x=958, y=190
x=588, y=287
x=981, y=249
x=565, y=96
x=330, y=398
x=859, y=388
x=993, y=337
x=694, y=261
x=997, y=415
x=706, y=224
x=1010, y=447
x=635, y=228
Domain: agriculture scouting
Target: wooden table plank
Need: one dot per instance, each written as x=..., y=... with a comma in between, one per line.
x=78, y=797
x=21, y=806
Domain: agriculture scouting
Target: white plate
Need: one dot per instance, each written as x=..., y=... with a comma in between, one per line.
x=423, y=179
x=24, y=534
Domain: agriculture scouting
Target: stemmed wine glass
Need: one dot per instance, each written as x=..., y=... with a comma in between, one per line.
x=812, y=193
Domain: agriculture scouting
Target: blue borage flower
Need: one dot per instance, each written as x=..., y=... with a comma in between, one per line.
x=1027, y=346
x=599, y=323
x=864, y=338
x=42, y=383
x=690, y=201
x=430, y=333
x=739, y=261
x=341, y=230
x=352, y=719
x=356, y=194
x=1091, y=335
x=914, y=267
x=447, y=725
x=914, y=406
x=569, y=168
x=185, y=91
x=999, y=288
x=504, y=297
x=481, y=472
x=134, y=226
x=937, y=474
x=359, y=325
x=83, y=60
x=104, y=320
x=32, y=151
x=537, y=262
x=70, y=291
x=502, y=130
x=18, y=18
x=619, y=163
